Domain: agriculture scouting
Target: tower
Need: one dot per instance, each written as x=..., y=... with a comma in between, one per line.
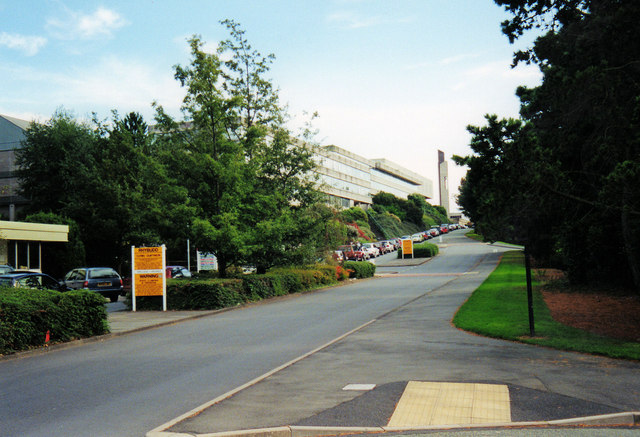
x=443, y=181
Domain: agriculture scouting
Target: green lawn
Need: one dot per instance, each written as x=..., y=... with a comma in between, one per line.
x=498, y=308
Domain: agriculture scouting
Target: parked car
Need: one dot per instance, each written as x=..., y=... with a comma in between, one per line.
x=177, y=272
x=103, y=280
x=31, y=280
x=388, y=245
x=338, y=255
x=371, y=249
x=4, y=269
x=444, y=228
x=417, y=237
x=352, y=253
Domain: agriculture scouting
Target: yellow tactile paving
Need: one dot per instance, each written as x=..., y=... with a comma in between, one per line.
x=442, y=403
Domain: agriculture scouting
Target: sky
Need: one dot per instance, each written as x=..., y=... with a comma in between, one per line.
x=393, y=79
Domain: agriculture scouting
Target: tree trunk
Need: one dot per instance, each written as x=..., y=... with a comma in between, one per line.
x=629, y=250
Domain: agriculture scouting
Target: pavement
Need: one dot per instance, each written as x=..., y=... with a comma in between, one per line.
x=364, y=383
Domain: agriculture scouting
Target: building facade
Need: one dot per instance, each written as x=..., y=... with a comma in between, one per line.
x=11, y=136
x=352, y=180
x=443, y=181
x=346, y=178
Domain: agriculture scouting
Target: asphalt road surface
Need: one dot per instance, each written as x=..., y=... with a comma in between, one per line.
x=130, y=384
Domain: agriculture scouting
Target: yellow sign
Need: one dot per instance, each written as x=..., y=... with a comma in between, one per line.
x=147, y=258
x=148, y=284
x=407, y=247
x=148, y=273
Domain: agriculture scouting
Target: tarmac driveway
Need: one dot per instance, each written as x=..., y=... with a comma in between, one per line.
x=416, y=342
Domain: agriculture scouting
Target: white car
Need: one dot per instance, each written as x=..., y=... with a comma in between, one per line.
x=371, y=250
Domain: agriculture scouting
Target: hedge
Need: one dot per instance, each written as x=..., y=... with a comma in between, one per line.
x=211, y=294
x=422, y=250
x=26, y=315
x=361, y=269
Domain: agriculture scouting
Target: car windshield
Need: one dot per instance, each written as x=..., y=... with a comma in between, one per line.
x=102, y=273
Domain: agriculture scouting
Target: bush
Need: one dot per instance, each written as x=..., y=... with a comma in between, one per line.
x=422, y=250
x=360, y=269
x=26, y=315
x=211, y=294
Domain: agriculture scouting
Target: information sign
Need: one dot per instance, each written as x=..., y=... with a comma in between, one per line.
x=147, y=269
x=407, y=248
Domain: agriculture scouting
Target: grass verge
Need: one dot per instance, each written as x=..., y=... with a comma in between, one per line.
x=498, y=308
x=471, y=234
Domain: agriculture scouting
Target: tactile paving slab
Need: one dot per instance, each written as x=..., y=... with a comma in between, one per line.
x=442, y=403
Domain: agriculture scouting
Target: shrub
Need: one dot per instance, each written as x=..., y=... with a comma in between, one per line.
x=26, y=315
x=422, y=250
x=361, y=269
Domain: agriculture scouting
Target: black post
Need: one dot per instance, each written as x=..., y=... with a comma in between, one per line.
x=527, y=263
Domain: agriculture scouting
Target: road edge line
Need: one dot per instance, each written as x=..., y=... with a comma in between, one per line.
x=159, y=431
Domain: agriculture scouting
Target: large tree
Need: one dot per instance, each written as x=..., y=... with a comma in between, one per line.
x=246, y=174
x=585, y=153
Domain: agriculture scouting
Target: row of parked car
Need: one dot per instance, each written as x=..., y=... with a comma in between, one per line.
x=363, y=252
x=434, y=231
x=103, y=280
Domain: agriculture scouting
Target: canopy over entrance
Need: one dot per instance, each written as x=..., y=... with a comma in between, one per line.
x=21, y=243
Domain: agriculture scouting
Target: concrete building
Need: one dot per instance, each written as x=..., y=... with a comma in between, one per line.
x=11, y=134
x=347, y=179
x=443, y=181
x=352, y=180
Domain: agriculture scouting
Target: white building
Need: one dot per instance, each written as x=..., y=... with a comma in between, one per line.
x=350, y=180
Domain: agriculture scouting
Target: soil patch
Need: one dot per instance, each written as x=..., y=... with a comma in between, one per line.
x=603, y=314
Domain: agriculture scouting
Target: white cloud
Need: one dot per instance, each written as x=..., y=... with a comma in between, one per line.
x=500, y=72
x=351, y=20
x=101, y=23
x=30, y=45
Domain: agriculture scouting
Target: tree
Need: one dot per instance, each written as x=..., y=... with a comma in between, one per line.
x=246, y=174
x=101, y=178
x=583, y=153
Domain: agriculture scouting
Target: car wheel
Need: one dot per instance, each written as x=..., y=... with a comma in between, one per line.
x=114, y=297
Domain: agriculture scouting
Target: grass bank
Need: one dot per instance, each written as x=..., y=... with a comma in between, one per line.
x=498, y=308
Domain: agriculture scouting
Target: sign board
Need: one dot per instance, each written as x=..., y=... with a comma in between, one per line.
x=147, y=271
x=206, y=261
x=407, y=248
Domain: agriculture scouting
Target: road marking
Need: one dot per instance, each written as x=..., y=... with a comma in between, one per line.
x=359, y=387
x=159, y=431
x=438, y=403
x=396, y=274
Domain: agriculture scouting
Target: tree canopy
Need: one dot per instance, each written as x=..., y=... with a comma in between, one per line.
x=228, y=175
x=576, y=151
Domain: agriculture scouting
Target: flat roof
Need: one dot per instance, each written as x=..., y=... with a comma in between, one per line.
x=33, y=232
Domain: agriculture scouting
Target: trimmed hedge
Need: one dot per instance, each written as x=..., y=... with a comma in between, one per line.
x=361, y=269
x=27, y=314
x=211, y=294
x=422, y=250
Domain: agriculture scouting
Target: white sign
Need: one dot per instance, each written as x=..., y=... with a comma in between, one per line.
x=206, y=261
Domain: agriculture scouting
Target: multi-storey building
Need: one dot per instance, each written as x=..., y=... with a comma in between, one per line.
x=352, y=180
x=11, y=135
x=346, y=178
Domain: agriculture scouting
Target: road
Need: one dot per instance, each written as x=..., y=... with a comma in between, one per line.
x=130, y=384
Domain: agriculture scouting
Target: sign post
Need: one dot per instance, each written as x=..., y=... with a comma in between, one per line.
x=148, y=276
x=407, y=247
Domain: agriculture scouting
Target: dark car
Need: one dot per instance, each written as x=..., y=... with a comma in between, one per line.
x=40, y=281
x=103, y=280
